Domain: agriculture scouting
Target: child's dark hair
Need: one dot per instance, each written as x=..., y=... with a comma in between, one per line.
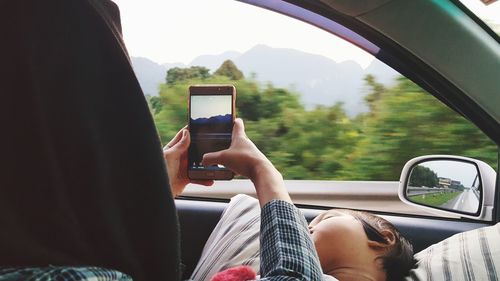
x=398, y=259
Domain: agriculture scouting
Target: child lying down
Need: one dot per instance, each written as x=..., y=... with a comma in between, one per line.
x=351, y=245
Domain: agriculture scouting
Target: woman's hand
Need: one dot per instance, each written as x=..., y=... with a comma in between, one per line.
x=175, y=154
x=245, y=159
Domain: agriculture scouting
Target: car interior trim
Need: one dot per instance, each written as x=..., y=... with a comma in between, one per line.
x=476, y=19
x=319, y=21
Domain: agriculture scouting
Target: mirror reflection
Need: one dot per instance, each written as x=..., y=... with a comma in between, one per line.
x=446, y=184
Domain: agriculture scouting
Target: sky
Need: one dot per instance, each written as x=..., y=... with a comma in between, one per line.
x=455, y=170
x=208, y=106
x=169, y=31
x=177, y=31
x=489, y=13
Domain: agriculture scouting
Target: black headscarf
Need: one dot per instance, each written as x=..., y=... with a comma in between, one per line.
x=82, y=177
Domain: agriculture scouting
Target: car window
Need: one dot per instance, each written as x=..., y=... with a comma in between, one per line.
x=337, y=122
x=486, y=10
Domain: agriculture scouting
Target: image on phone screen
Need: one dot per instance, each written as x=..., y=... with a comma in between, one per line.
x=210, y=125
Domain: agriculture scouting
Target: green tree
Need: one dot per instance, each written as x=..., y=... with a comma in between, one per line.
x=407, y=122
x=155, y=104
x=178, y=74
x=423, y=176
x=324, y=142
x=375, y=94
x=229, y=69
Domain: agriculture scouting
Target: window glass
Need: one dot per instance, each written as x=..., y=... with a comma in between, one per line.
x=317, y=106
x=486, y=10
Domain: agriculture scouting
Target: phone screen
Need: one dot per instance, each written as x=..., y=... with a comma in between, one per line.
x=210, y=126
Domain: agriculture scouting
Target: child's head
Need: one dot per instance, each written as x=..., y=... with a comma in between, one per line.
x=355, y=245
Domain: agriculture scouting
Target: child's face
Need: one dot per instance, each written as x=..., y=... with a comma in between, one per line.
x=343, y=248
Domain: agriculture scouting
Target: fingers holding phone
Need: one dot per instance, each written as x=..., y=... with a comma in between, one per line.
x=245, y=159
x=216, y=145
x=175, y=155
x=242, y=155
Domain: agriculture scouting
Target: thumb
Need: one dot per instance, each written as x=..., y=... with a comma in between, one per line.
x=239, y=128
x=184, y=142
x=213, y=158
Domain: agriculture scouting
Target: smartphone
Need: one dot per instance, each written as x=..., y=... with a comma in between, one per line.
x=211, y=119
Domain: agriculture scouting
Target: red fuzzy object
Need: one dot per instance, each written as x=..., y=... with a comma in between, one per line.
x=239, y=273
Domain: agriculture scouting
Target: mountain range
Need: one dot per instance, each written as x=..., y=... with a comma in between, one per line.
x=319, y=80
x=219, y=124
x=213, y=120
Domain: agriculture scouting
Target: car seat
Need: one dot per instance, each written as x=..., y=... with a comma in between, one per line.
x=82, y=180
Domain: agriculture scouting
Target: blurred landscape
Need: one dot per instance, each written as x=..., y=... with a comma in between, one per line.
x=317, y=119
x=320, y=80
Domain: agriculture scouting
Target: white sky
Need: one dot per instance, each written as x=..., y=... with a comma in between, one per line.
x=489, y=13
x=455, y=170
x=169, y=31
x=208, y=106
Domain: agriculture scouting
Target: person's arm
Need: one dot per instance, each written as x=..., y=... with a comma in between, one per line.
x=245, y=159
x=287, y=252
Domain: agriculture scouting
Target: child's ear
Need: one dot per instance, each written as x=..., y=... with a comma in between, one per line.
x=389, y=237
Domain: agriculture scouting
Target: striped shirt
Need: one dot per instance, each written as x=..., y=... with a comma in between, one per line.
x=287, y=252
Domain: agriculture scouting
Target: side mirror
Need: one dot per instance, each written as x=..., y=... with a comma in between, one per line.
x=449, y=184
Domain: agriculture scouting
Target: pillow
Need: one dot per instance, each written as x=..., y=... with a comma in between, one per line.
x=471, y=255
x=234, y=240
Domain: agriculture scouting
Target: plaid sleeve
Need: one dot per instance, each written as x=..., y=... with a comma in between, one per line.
x=287, y=252
x=65, y=273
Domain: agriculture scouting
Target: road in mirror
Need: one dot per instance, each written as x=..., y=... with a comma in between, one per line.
x=445, y=184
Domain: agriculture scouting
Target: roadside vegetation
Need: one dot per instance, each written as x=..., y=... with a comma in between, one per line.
x=324, y=143
x=435, y=199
